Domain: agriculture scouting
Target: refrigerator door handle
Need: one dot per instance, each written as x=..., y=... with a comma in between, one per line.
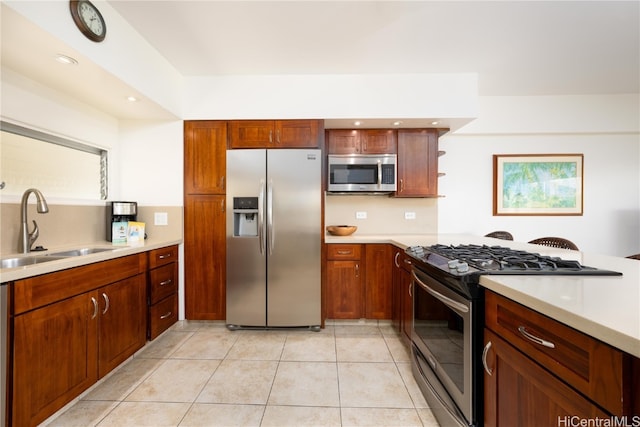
x=270, y=233
x=261, y=218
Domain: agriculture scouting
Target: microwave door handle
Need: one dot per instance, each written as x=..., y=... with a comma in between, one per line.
x=379, y=174
x=261, y=217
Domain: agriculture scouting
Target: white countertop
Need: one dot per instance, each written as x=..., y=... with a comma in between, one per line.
x=118, y=250
x=604, y=307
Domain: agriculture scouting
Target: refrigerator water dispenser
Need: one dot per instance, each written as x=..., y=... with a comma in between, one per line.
x=245, y=216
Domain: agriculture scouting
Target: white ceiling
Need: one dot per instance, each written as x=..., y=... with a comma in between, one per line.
x=516, y=47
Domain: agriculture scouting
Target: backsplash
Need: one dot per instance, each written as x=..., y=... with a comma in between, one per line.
x=384, y=214
x=78, y=224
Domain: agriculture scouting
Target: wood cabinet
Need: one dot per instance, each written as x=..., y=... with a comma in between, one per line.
x=205, y=257
x=362, y=141
x=417, y=163
x=537, y=369
x=275, y=133
x=162, y=293
x=205, y=146
x=359, y=281
x=71, y=328
x=345, y=279
x=402, y=298
x=378, y=281
x=205, y=156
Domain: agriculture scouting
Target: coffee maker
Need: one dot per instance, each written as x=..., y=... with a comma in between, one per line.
x=120, y=212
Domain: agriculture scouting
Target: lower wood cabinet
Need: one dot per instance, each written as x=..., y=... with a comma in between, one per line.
x=345, y=279
x=67, y=331
x=162, y=293
x=402, y=298
x=519, y=392
x=359, y=281
x=205, y=257
x=538, y=371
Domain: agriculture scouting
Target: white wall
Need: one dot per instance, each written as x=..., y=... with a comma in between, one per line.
x=604, y=128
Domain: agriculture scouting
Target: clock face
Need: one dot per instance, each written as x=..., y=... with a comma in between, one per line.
x=88, y=19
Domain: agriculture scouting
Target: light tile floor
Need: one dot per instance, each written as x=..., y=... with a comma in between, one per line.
x=201, y=374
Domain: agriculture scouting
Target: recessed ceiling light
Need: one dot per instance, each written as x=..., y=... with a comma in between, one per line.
x=64, y=59
x=132, y=99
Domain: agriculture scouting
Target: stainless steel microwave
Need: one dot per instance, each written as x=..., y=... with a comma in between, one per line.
x=362, y=173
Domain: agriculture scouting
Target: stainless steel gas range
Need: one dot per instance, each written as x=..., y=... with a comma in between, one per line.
x=448, y=318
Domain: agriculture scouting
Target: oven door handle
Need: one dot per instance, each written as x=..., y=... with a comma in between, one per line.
x=454, y=305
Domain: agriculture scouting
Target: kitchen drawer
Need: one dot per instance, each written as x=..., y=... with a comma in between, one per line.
x=343, y=252
x=162, y=315
x=592, y=367
x=163, y=281
x=158, y=257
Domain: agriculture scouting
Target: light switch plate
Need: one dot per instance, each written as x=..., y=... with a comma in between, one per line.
x=361, y=215
x=409, y=215
x=160, y=218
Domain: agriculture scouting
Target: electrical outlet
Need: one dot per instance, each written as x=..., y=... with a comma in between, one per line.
x=160, y=218
x=409, y=215
x=361, y=215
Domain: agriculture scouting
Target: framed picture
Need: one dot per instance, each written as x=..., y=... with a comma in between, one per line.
x=537, y=184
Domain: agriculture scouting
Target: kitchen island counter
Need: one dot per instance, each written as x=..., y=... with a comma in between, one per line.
x=604, y=307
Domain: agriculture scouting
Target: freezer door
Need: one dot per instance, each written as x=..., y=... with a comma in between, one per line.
x=293, y=217
x=246, y=255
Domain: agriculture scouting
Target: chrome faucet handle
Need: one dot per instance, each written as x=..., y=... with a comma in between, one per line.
x=33, y=236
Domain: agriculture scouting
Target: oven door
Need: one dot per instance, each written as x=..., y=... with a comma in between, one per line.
x=441, y=337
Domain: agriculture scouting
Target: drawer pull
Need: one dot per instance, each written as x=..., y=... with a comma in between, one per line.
x=341, y=252
x=484, y=359
x=534, y=338
x=164, y=316
x=166, y=282
x=164, y=256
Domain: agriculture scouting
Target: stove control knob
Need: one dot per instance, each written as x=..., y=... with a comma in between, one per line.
x=453, y=263
x=463, y=267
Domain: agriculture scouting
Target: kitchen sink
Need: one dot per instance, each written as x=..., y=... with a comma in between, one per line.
x=28, y=260
x=81, y=252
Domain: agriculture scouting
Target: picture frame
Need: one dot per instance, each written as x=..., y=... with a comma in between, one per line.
x=538, y=184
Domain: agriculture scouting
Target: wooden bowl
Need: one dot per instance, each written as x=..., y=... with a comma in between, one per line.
x=341, y=230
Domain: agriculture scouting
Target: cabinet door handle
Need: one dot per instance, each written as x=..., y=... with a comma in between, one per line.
x=164, y=316
x=395, y=259
x=401, y=185
x=95, y=307
x=278, y=136
x=164, y=256
x=484, y=359
x=535, y=339
x=357, y=270
x=341, y=252
x=106, y=303
x=166, y=282
x=410, y=286
x=222, y=205
x=270, y=136
x=222, y=181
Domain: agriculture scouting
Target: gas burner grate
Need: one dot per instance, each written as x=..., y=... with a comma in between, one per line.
x=499, y=258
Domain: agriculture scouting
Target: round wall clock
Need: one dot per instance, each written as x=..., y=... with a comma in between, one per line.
x=88, y=19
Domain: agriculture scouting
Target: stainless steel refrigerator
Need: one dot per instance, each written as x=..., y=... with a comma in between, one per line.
x=273, y=238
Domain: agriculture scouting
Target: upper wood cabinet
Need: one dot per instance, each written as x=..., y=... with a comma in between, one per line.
x=362, y=141
x=275, y=133
x=417, y=163
x=205, y=156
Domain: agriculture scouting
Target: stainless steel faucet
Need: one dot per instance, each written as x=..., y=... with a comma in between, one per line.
x=27, y=239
